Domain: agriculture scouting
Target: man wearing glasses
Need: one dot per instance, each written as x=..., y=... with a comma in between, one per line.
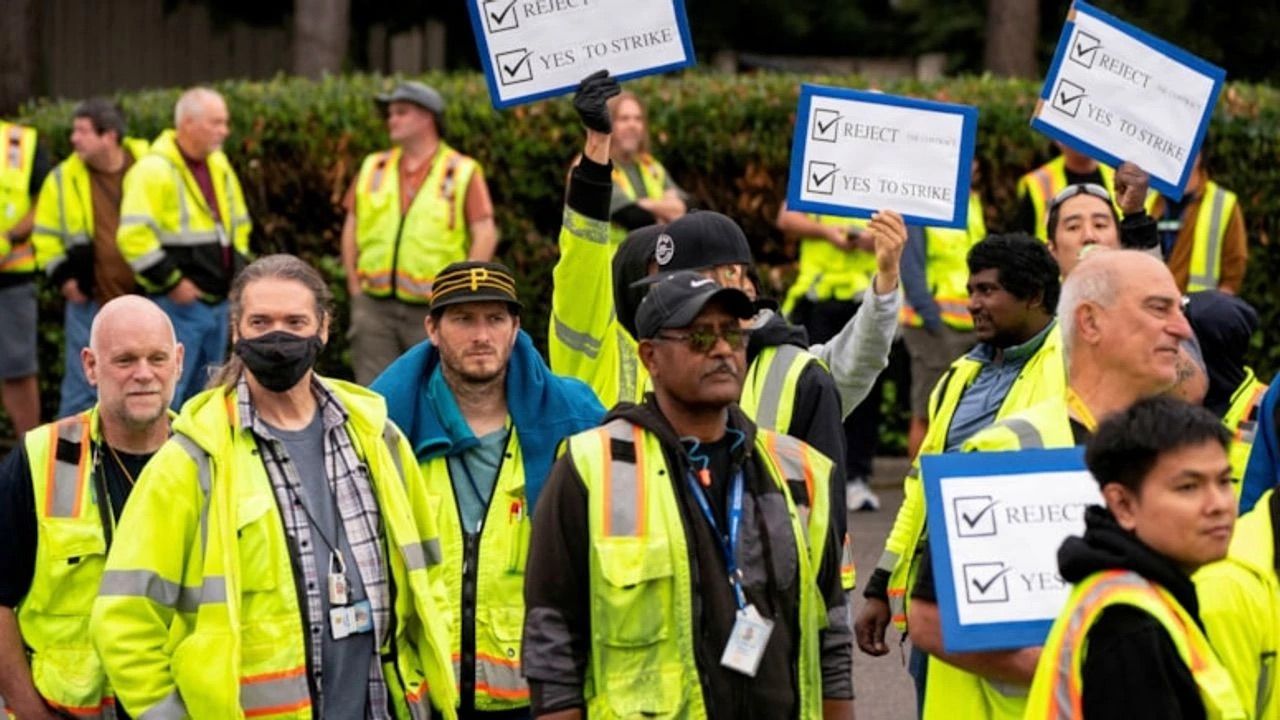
x=709, y=550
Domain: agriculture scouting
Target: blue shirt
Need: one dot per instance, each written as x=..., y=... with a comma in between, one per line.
x=474, y=473
x=981, y=401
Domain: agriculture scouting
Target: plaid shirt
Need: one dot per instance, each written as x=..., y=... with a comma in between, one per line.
x=361, y=520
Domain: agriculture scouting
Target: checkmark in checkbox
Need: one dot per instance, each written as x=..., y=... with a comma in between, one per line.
x=1068, y=97
x=1084, y=49
x=975, y=515
x=514, y=66
x=501, y=15
x=986, y=582
x=826, y=125
x=821, y=178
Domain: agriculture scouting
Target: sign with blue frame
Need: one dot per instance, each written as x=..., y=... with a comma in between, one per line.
x=855, y=153
x=996, y=521
x=535, y=49
x=1116, y=93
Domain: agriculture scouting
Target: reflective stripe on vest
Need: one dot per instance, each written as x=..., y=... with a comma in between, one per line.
x=623, y=478
x=1216, y=206
x=654, y=177
x=1242, y=422
x=768, y=394
x=16, y=166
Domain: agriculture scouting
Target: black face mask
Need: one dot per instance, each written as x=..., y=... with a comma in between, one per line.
x=279, y=359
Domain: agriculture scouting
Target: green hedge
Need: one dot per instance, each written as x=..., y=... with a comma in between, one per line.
x=297, y=144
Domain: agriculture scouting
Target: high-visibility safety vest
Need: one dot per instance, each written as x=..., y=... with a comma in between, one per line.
x=401, y=252
x=946, y=269
x=17, y=162
x=64, y=210
x=1057, y=693
x=654, y=178
x=198, y=613
x=1044, y=183
x=1242, y=422
x=1216, y=206
x=497, y=615
x=1044, y=377
x=642, y=662
x=1240, y=607
x=826, y=271
x=163, y=212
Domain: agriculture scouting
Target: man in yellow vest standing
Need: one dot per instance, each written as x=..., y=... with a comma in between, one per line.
x=184, y=229
x=61, y=493
x=683, y=561
x=643, y=191
x=1038, y=187
x=411, y=211
x=484, y=415
x=77, y=217
x=272, y=561
x=1130, y=642
x=1203, y=237
x=23, y=167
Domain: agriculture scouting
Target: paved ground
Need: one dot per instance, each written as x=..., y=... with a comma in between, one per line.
x=883, y=686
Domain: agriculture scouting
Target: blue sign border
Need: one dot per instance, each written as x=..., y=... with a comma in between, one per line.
x=1182, y=56
x=982, y=636
x=800, y=139
x=486, y=58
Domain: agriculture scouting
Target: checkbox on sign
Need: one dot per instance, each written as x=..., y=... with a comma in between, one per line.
x=1068, y=97
x=1084, y=49
x=821, y=178
x=986, y=582
x=500, y=15
x=514, y=66
x=975, y=516
x=826, y=125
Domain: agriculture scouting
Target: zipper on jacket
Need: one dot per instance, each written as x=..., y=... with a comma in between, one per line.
x=395, y=252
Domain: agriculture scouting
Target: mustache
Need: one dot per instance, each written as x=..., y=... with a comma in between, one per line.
x=723, y=366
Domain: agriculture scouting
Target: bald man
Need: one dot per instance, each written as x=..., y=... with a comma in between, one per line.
x=60, y=494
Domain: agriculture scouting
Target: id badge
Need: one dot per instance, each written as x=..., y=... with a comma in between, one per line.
x=351, y=620
x=747, y=642
x=339, y=591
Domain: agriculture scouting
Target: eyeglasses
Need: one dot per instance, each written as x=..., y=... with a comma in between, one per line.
x=702, y=340
x=1071, y=191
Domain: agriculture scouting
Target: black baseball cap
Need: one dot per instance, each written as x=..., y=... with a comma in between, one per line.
x=701, y=239
x=474, y=281
x=678, y=298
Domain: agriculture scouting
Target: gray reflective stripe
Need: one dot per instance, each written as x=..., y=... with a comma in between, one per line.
x=419, y=556
x=391, y=437
x=144, y=262
x=790, y=456
x=170, y=708
x=46, y=230
x=149, y=585
x=503, y=678
x=51, y=266
x=586, y=228
x=420, y=706
x=1214, y=247
x=189, y=238
x=184, y=214
x=76, y=239
x=888, y=561
x=131, y=220
x=66, y=475
x=1062, y=679
x=581, y=342
x=1028, y=436
x=62, y=204
x=274, y=692
x=234, y=219
x=914, y=472
x=769, y=395
x=624, y=501
x=1264, y=682
x=204, y=475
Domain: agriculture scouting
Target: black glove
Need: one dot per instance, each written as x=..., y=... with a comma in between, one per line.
x=590, y=100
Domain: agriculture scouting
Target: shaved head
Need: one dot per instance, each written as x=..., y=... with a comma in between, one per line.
x=125, y=311
x=134, y=360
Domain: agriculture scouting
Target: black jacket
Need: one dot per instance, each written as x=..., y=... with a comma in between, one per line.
x=557, y=633
x=1132, y=670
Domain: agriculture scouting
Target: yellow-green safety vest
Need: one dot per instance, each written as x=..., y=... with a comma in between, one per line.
x=1240, y=607
x=1216, y=206
x=946, y=269
x=1041, y=379
x=198, y=613
x=654, y=177
x=64, y=209
x=1045, y=182
x=504, y=546
x=400, y=253
x=826, y=271
x=1241, y=421
x=642, y=662
x=17, y=162
x=1057, y=693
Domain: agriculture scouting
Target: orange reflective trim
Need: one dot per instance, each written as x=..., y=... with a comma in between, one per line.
x=379, y=171
x=274, y=675
x=606, y=483
x=1248, y=411
x=637, y=436
x=416, y=696
x=84, y=710
x=502, y=694
x=277, y=709
x=897, y=592
x=496, y=660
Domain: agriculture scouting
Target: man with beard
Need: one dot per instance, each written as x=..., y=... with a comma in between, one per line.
x=273, y=560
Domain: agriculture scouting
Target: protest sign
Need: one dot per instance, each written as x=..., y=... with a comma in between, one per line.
x=855, y=153
x=1116, y=93
x=996, y=521
x=533, y=49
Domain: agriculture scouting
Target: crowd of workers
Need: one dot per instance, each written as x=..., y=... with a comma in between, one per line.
x=651, y=522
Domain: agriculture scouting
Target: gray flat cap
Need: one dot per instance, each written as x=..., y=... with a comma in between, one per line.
x=415, y=92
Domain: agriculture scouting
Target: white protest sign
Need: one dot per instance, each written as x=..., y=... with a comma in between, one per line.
x=533, y=49
x=855, y=153
x=995, y=534
x=1117, y=93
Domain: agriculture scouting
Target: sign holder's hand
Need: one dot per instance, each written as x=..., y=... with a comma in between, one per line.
x=889, y=232
x=591, y=102
x=1132, y=184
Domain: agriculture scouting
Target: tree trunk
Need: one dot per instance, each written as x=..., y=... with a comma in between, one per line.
x=1013, y=26
x=320, y=36
x=19, y=53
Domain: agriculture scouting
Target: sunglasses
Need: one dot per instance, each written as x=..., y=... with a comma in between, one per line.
x=1071, y=191
x=702, y=340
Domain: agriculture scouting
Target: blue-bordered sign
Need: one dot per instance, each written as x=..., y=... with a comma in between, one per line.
x=1117, y=93
x=996, y=521
x=857, y=152
x=535, y=49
